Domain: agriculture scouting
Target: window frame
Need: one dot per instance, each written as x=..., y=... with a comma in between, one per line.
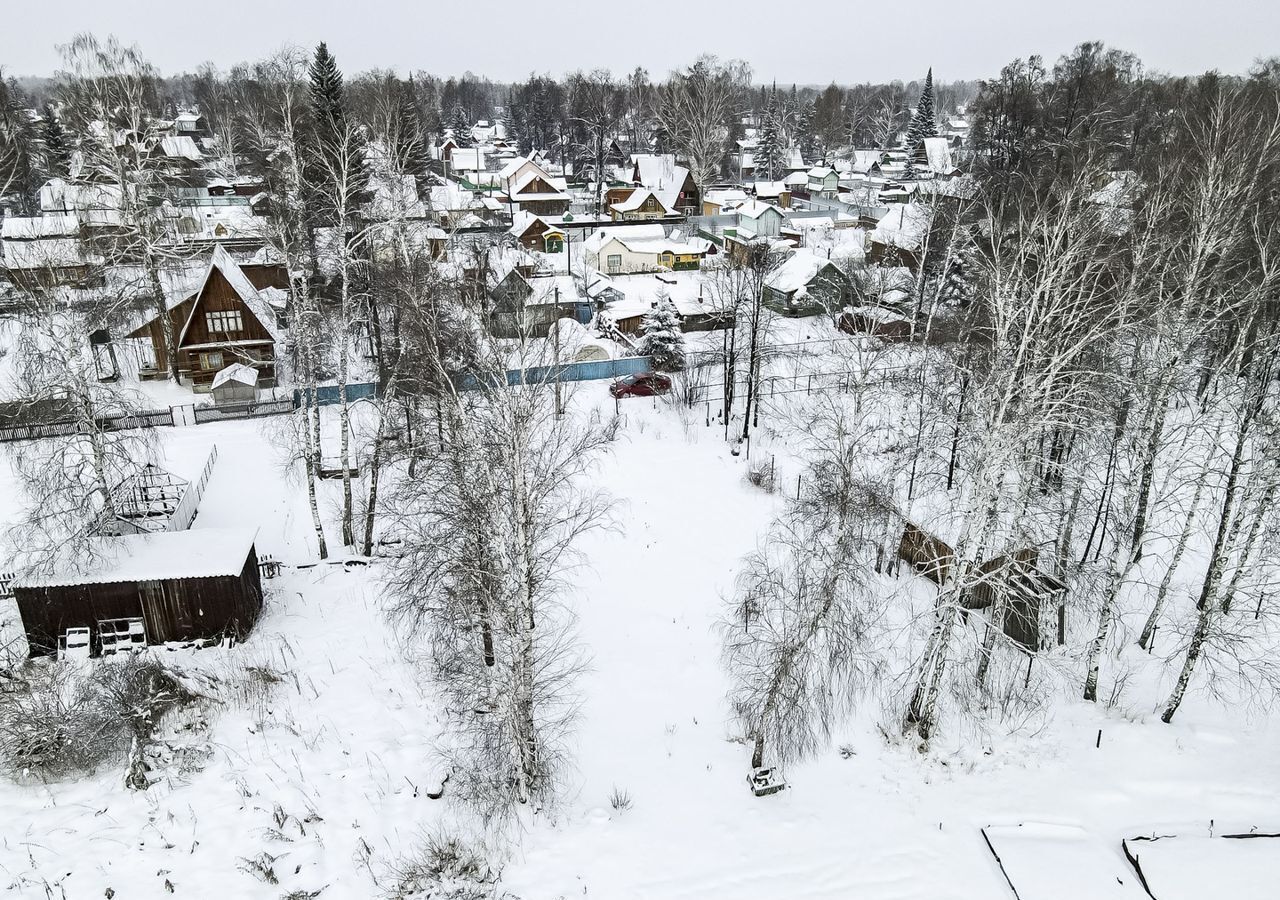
x=216, y=321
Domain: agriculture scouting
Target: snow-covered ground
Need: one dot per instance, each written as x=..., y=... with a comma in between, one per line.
x=329, y=775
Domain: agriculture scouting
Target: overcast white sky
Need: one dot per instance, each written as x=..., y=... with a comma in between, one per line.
x=814, y=42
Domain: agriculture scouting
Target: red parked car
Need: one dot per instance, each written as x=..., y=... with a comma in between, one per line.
x=642, y=384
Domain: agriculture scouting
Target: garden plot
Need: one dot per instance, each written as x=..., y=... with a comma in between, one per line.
x=1239, y=867
x=1060, y=862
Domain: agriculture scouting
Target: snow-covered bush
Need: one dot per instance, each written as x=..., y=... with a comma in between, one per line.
x=447, y=867
x=663, y=340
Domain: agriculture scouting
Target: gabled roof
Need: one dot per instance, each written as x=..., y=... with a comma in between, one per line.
x=637, y=198
x=904, y=226
x=754, y=209
x=558, y=185
x=822, y=172
x=602, y=236
x=237, y=372
x=797, y=272
x=244, y=289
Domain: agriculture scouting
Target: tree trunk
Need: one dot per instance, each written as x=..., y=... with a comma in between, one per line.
x=1213, y=578
x=1149, y=629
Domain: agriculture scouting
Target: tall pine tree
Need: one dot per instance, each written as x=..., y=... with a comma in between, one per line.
x=460, y=128
x=57, y=153
x=332, y=143
x=923, y=124
x=770, y=159
x=19, y=173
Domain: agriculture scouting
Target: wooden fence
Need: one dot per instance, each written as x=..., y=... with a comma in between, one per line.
x=254, y=410
x=35, y=431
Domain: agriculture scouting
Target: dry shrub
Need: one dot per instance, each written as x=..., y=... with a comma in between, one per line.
x=71, y=718
x=763, y=475
x=447, y=867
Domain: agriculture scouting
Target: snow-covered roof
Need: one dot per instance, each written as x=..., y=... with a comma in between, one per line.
x=47, y=253
x=796, y=272
x=602, y=236
x=238, y=373
x=659, y=245
x=770, y=188
x=637, y=198
x=903, y=226
x=453, y=196
x=523, y=220
x=938, y=150
x=796, y=179
x=24, y=228
x=58, y=195
x=754, y=209
x=240, y=283
x=156, y=556
x=181, y=148
x=721, y=196
x=467, y=160
x=863, y=160
x=557, y=184
x=820, y=172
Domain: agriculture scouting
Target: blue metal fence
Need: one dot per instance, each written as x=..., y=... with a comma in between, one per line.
x=597, y=370
x=578, y=371
x=328, y=394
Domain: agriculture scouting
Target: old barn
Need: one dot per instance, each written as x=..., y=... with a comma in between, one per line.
x=145, y=588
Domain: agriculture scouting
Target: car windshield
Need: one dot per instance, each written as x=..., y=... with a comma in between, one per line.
x=631, y=379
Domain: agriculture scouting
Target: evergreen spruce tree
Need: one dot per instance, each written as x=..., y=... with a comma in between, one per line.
x=57, y=154
x=958, y=279
x=329, y=132
x=411, y=143
x=328, y=101
x=804, y=132
x=923, y=125
x=460, y=128
x=769, y=156
x=19, y=173
x=662, y=338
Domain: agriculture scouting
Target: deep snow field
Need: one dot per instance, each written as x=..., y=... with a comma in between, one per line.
x=329, y=774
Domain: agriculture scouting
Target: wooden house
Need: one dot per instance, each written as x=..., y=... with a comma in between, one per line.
x=824, y=181
x=228, y=320
x=538, y=193
x=673, y=184
x=807, y=285
x=522, y=305
x=625, y=250
x=641, y=204
x=899, y=237
x=538, y=233
x=145, y=589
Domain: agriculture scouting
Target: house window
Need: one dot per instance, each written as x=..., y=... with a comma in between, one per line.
x=226, y=321
x=615, y=262
x=211, y=362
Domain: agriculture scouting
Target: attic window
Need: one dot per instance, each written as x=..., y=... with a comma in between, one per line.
x=225, y=321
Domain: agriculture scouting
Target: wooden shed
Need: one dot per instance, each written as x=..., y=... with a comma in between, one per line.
x=152, y=588
x=237, y=383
